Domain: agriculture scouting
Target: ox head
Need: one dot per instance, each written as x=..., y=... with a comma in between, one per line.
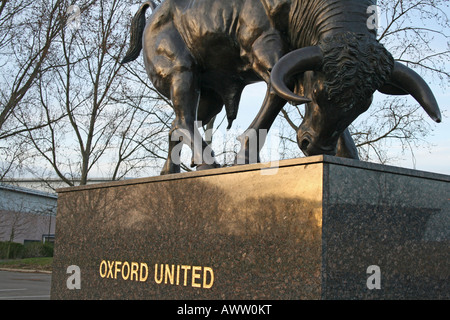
x=339, y=77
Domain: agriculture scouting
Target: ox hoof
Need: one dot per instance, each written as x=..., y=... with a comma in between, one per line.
x=245, y=160
x=164, y=172
x=205, y=166
x=169, y=169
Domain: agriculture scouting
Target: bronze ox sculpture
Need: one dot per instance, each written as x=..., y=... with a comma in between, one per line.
x=202, y=53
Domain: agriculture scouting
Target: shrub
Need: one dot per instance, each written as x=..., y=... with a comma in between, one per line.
x=32, y=250
x=38, y=249
x=11, y=250
x=47, y=249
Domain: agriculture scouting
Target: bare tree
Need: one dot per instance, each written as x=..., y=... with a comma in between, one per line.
x=28, y=37
x=416, y=32
x=28, y=31
x=11, y=152
x=98, y=117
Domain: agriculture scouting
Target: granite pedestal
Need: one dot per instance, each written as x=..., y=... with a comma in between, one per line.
x=310, y=228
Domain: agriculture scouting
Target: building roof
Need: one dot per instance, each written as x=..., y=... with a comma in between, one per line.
x=29, y=191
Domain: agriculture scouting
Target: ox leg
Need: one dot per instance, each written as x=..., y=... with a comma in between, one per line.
x=346, y=147
x=172, y=164
x=266, y=51
x=185, y=98
x=253, y=138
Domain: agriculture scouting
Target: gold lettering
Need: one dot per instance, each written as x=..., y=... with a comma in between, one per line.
x=117, y=269
x=195, y=276
x=169, y=274
x=103, y=263
x=200, y=277
x=160, y=274
x=134, y=270
x=123, y=269
x=185, y=268
x=143, y=277
x=110, y=269
x=211, y=273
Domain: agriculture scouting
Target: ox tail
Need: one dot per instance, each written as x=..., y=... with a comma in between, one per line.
x=137, y=32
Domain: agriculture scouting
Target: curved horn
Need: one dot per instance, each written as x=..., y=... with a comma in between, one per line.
x=404, y=78
x=295, y=62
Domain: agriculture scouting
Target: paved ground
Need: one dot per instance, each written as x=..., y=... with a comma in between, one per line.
x=24, y=286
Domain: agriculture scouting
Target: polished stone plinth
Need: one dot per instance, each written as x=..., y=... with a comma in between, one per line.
x=311, y=228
